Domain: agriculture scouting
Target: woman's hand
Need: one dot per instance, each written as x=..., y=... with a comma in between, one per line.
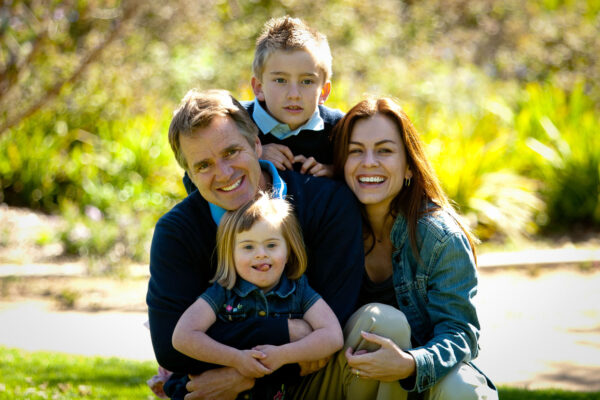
x=387, y=364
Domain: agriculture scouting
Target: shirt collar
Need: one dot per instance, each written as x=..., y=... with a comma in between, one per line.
x=267, y=124
x=284, y=288
x=279, y=189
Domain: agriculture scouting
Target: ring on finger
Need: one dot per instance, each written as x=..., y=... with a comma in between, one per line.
x=358, y=373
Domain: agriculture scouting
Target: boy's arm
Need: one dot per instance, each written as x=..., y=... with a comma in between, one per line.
x=325, y=339
x=189, y=337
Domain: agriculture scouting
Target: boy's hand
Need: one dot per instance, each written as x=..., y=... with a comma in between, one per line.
x=312, y=167
x=281, y=156
x=250, y=364
x=274, y=356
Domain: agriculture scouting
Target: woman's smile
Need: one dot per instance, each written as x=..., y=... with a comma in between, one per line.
x=376, y=165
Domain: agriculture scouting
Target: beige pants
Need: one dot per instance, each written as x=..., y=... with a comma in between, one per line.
x=336, y=381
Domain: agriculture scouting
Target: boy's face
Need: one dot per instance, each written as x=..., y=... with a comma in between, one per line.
x=292, y=86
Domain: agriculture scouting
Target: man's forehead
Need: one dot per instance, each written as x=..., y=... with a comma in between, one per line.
x=220, y=129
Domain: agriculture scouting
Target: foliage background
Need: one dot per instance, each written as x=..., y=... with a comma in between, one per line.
x=505, y=93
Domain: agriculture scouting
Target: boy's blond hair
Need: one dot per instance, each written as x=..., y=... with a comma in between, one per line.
x=289, y=34
x=277, y=213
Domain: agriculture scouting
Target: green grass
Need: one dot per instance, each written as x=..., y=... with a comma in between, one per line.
x=48, y=375
x=549, y=394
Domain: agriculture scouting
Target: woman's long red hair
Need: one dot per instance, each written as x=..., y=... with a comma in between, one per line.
x=424, y=187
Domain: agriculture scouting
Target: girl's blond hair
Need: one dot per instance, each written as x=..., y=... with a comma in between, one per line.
x=277, y=213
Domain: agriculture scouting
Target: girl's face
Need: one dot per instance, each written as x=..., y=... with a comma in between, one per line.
x=376, y=165
x=260, y=255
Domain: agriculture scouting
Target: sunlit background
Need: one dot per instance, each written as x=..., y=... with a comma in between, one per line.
x=505, y=93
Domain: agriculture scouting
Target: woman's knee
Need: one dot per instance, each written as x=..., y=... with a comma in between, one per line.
x=463, y=383
x=380, y=319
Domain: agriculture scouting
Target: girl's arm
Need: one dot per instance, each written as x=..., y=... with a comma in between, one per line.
x=189, y=338
x=325, y=339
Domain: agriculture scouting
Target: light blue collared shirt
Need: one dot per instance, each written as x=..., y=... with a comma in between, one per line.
x=279, y=190
x=267, y=124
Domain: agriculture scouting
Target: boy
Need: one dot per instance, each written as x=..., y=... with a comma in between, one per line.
x=292, y=71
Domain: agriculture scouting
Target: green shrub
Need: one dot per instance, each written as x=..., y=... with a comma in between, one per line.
x=561, y=129
x=110, y=184
x=471, y=143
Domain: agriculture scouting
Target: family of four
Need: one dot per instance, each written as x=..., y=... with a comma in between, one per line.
x=301, y=221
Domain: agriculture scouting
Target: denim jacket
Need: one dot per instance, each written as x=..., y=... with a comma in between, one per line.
x=436, y=295
x=290, y=298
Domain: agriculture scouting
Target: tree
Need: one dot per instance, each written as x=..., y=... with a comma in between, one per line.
x=47, y=46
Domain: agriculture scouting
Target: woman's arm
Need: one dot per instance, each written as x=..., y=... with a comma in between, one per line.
x=451, y=286
x=325, y=339
x=189, y=337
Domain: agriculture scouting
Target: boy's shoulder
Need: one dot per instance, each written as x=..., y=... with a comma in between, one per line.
x=330, y=115
x=248, y=105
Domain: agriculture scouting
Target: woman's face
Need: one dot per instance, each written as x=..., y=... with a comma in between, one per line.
x=376, y=165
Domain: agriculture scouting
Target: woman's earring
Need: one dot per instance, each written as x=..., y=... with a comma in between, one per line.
x=407, y=182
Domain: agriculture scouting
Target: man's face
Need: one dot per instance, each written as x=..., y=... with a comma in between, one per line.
x=222, y=164
x=292, y=86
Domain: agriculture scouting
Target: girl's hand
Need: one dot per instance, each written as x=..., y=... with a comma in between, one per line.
x=387, y=364
x=250, y=366
x=273, y=358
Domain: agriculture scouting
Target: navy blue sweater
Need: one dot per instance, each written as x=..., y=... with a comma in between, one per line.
x=309, y=143
x=182, y=261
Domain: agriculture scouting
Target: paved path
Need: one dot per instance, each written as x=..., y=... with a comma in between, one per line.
x=541, y=327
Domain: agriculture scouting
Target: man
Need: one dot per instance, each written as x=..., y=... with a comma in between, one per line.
x=217, y=144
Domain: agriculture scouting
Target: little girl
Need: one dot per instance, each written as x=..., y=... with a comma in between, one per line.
x=256, y=244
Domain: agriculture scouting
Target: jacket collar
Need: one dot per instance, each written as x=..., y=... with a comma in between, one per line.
x=283, y=289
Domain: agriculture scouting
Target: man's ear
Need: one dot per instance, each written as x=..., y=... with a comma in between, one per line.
x=257, y=88
x=257, y=147
x=325, y=90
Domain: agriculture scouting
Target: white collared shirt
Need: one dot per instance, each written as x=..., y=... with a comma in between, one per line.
x=267, y=124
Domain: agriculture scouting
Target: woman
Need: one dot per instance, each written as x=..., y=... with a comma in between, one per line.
x=417, y=329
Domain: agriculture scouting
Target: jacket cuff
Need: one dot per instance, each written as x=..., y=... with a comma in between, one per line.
x=424, y=376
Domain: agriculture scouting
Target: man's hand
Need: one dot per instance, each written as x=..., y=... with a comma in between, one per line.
x=217, y=384
x=308, y=367
x=281, y=156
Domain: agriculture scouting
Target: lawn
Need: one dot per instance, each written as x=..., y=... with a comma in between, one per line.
x=47, y=375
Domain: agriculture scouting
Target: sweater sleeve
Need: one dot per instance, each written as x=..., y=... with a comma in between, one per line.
x=180, y=268
x=333, y=234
